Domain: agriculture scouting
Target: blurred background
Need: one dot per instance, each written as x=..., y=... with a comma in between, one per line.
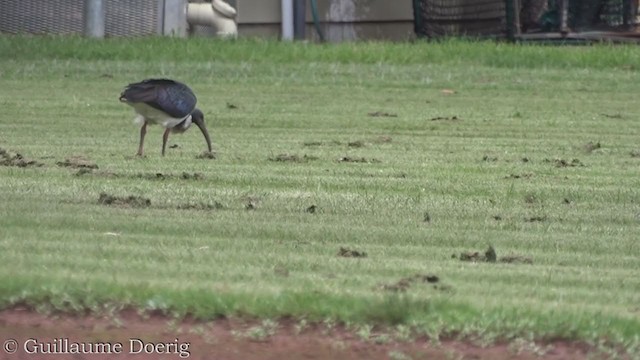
x=326, y=20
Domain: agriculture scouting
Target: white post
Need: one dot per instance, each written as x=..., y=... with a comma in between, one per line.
x=175, y=18
x=94, y=18
x=287, y=19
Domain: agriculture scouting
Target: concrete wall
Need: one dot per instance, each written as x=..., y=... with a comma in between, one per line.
x=342, y=20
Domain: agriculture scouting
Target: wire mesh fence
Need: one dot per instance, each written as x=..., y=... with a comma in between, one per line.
x=437, y=18
x=123, y=17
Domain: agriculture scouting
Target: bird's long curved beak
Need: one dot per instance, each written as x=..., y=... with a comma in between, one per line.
x=203, y=128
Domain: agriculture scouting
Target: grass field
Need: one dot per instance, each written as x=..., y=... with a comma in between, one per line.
x=410, y=153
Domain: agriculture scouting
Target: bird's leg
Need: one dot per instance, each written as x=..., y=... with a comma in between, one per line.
x=165, y=137
x=143, y=132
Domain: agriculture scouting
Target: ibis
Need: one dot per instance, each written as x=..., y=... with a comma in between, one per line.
x=168, y=103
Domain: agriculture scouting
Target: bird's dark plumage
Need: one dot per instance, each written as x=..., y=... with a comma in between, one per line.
x=174, y=98
x=165, y=102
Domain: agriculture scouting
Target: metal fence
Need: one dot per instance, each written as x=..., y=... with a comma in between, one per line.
x=437, y=18
x=122, y=17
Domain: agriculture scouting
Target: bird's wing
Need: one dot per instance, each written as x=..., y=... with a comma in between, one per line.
x=172, y=97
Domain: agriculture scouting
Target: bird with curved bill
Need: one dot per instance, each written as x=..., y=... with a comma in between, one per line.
x=164, y=102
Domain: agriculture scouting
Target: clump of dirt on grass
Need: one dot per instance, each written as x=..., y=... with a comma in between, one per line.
x=191, y=176
x=16, y=159
x=285, y=157
x=231, y=106
x=311, y=209
x=200, y=206
x=561, y=163
x=536, y=219
x=401, y=285
x=612, y=116
x=145, y=176
x=151, y=176
x=381, y=114
x=346, y=252
x=445, y=118
x=252, y=203
x=129, y=201
x=519, y=176
x=531, y=199
x=83, y=172
x=591, y=146
x=491, y=256
x=77, y=162
x=349, y=159
x=207, y=155
x=323, y=143
x=490, y=158
x=404, y=284
x=100, y=173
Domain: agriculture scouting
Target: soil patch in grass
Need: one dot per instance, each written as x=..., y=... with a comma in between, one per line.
x=252, y=203
x=613, y=116
x=145, y=176
x=211, y=155
x=562, y=163
x=346, y=252
x=519, y=176
x=491, y=256
x=445, y=118
x=404, y=284
x=285, y=157
x=381, y=114
x=591, y=146
x=291, y=338
x=349, y=159
x=8, y=158
x=77, y=162
x=323, y=143
x=200, y=206
x=122, y=201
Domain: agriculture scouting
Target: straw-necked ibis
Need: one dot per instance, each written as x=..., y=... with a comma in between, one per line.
x=165, y=102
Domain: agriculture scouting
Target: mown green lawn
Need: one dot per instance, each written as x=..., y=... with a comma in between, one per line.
x=532, y=150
